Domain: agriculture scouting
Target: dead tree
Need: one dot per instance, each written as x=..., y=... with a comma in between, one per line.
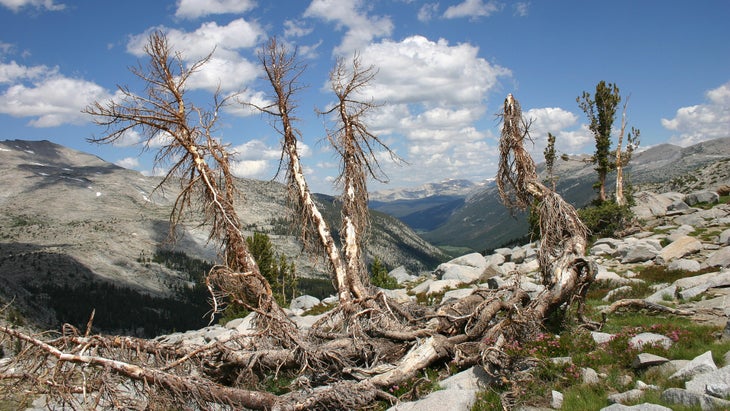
x=563, y=234
x=356, y=146
x=200, y=163
x=623, y=159
x=283, y=71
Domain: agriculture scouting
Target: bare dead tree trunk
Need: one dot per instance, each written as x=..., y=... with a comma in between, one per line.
x=355, y=145
x=283, y=72
x=199, y=159
x=562, y=234
x=620, y=199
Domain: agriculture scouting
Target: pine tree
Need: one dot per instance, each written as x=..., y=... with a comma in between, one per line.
x=550, y=159
x=601, y=110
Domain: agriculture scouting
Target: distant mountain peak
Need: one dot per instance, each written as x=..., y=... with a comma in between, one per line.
x=446, y=187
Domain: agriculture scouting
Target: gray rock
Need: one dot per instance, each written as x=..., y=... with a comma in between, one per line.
x=506, y=252
x=640, y=252
x=640, y=340
x=609, y=276
x=669, y=368
x=557, y=400
x=509, y=267
x=439, y=286
x=644, y=386
x=454, y=295
x=495, y=259
x=304, y=302
x=662, y=294
x=474, y=378
x=680, y=231
x=694, y=291
x=399, y=295
x=601, y=249
x=698, y=383
x=422, y=287
x=601, y=338
x=611, y=242
x=443, y=400
x=717, y=279
x=611, y=295
x=305, y=322
x=529, y=266
x=401, y=275
x=699, y=365
x=472, y=260
x=530, y=252
x=650, y=204
x=678, y=205
x=217, y=333
x=627, y=396
x=243, y=325
x=332, y=299
x=695, y=220
x=720, y=258
x=645, y=360
x=697, y=197
x=639, y=407
x=532, y=289
x=684, y=264
x=725, y=237
x=589, y=376
x=463, y=273
x=718, y=390
x=693, y=399
x=681, y=247
x=492, y=270
x=518, y=255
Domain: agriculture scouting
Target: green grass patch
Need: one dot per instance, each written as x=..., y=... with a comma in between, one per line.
x=584, y=397
x=657, y=274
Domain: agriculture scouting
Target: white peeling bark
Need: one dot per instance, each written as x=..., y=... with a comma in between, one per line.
x=325, y=236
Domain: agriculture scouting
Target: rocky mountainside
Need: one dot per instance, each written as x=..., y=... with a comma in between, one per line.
x=482, y=223
x=69, y=220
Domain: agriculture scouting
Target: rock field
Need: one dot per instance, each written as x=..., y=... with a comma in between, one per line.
x=676, y=234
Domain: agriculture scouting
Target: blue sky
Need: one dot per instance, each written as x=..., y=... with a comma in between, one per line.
x=445, y=67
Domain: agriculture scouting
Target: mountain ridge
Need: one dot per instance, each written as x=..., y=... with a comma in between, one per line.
x=482, y=223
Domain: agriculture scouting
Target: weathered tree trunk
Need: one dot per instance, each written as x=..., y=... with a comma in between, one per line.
x=620, y=199
x=282, y=72
x=562, y=234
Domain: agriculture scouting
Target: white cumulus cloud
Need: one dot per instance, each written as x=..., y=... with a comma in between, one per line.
x=419, y=70
x=226, y=69
x=701, y=122
x=435, y=94
x=16, y=5
x=427, y=11
x=361, y=28
x=191, y=9
x=472, y=8
x=255, y=158
x=46, y=96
